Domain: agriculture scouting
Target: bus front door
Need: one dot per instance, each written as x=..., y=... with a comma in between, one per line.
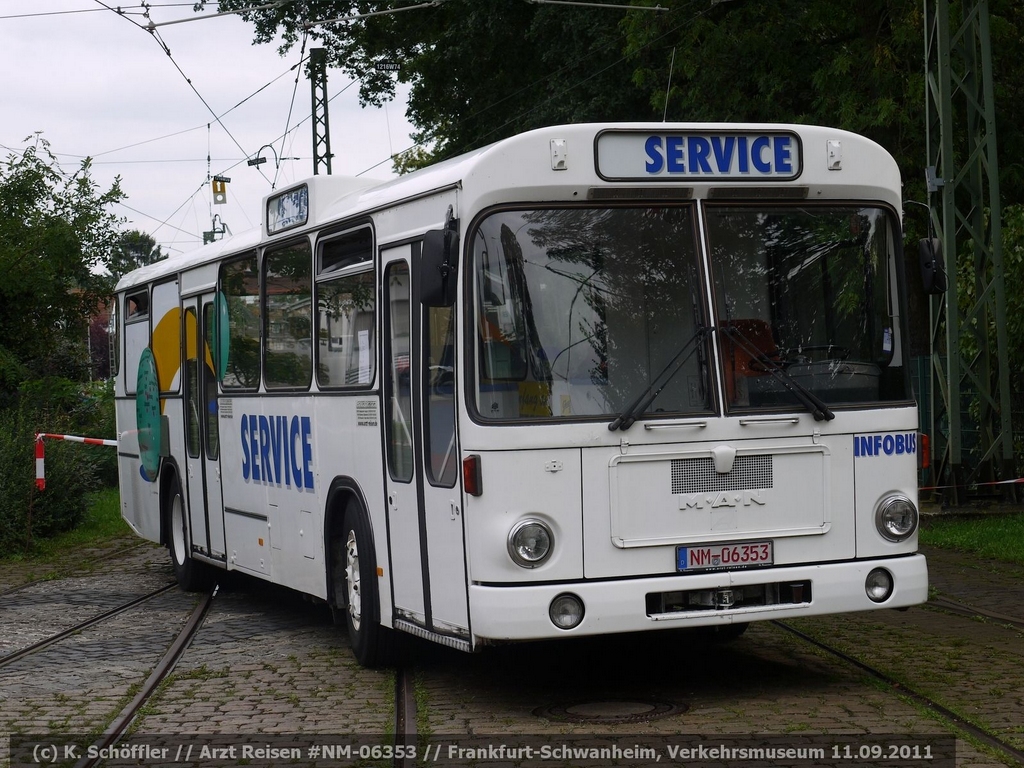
x=202, y=434
x=424, y=498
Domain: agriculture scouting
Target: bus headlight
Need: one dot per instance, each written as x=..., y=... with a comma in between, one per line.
x=896, y=518
x=530, y=543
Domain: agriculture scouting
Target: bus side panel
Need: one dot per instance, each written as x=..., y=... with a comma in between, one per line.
x=247, y=531
x=347, y=443
x=140, y=500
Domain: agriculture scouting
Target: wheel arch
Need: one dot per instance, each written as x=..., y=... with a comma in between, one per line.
x=169, y=476
x=344, y=490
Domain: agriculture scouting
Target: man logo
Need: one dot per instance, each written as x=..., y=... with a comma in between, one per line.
x=722, y=499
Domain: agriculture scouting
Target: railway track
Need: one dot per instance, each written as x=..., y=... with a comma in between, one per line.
x=981, y=734
x=123, y=720
x=10, y=658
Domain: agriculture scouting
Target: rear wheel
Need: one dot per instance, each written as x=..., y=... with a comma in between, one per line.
x=372, y=644
x=192, y=576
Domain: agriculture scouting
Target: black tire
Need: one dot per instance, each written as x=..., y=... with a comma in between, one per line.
x=192, y=576
x=372, y=644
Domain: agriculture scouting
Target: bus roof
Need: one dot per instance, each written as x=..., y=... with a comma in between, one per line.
x=623, y=160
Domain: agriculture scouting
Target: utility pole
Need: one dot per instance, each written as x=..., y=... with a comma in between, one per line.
x=321, y=125
x=968, y=343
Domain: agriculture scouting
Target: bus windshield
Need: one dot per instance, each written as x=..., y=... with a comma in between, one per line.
x=805, y=292
x=599, y=312
x=580, y=310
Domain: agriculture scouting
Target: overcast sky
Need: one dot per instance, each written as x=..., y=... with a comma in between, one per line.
x=93, y=83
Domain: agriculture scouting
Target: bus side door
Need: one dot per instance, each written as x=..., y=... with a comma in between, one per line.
x=202, y=432
x=427, y=543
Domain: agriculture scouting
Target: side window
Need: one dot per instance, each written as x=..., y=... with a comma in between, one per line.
x=136, y=335
x=439, y=394
x=193, y=406
x=240, y=285
x=165, y=312
x=288, y=293
x=210, y=385
x=346, y=311
x=398, y=405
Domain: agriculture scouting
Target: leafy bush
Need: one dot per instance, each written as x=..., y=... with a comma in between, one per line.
x=71, y=472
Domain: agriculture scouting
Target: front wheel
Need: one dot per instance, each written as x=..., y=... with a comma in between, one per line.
x=372, y=644
x=192, y=576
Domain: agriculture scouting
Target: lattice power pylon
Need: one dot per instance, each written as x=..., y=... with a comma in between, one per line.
x=321, y=124
x=969, y=366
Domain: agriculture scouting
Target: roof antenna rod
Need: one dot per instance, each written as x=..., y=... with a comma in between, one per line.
x=671, y=67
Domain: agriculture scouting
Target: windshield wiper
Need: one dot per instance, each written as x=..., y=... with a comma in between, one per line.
x=811, y=401
x=644, y=399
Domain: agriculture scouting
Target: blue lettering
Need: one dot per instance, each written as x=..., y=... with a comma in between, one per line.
x=723, y=149
x=307, y=453
x=743, y=156
x=757, y=148
x=783, y=150
x=275, y=446
x=254, y=449
x=699, y=149
x=293, y=435
x=674, y=151
x=278, y=449
x=265, y=449
x=282, y=430
x=245, y=448
x=890, y=445
x=655, y=162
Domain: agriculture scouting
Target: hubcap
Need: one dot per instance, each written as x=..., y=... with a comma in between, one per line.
x=355, y=602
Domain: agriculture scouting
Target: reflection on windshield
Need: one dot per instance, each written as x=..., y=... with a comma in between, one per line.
x=577, y=310
x=808, y=287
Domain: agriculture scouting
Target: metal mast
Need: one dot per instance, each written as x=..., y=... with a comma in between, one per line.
x=321, y=125
x=968, y=332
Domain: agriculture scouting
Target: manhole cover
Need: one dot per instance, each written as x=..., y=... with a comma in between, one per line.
x=610, y=711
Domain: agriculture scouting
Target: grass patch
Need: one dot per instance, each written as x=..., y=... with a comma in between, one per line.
x=102, y=523
x=993, y=535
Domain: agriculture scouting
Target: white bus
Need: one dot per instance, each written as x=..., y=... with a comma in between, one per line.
x=589, y=379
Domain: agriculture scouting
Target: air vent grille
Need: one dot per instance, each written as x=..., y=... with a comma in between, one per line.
x=699, y=475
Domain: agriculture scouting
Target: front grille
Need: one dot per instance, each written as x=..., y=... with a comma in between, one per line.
x=660, y=604
x=699, y=476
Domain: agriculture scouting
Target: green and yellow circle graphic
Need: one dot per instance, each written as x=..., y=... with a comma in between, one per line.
x=147, y=415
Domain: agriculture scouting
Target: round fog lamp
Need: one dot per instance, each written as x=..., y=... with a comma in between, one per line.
x=896, y=518
x=878, y=585
x=566, y=611
x=530, y=543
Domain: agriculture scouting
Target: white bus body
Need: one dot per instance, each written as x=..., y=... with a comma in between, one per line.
x=664, y=384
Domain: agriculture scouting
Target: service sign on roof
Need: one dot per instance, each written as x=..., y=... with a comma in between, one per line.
x=698, y=156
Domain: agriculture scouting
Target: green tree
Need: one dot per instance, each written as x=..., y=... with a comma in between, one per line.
x=480, y=71
x=55, y=231
x=134, y=249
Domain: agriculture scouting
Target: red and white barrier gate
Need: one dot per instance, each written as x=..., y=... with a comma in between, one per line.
x=41, y=459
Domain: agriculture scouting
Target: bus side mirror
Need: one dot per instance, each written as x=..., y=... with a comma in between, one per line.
x=933, y=268
x=438, y=265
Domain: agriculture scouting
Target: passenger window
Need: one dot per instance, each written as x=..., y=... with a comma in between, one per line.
x=398, y=405
x=288, y=317
x=240, y=285
x=346, y=311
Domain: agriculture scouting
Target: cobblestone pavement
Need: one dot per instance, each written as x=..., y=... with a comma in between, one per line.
x=266, y=661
